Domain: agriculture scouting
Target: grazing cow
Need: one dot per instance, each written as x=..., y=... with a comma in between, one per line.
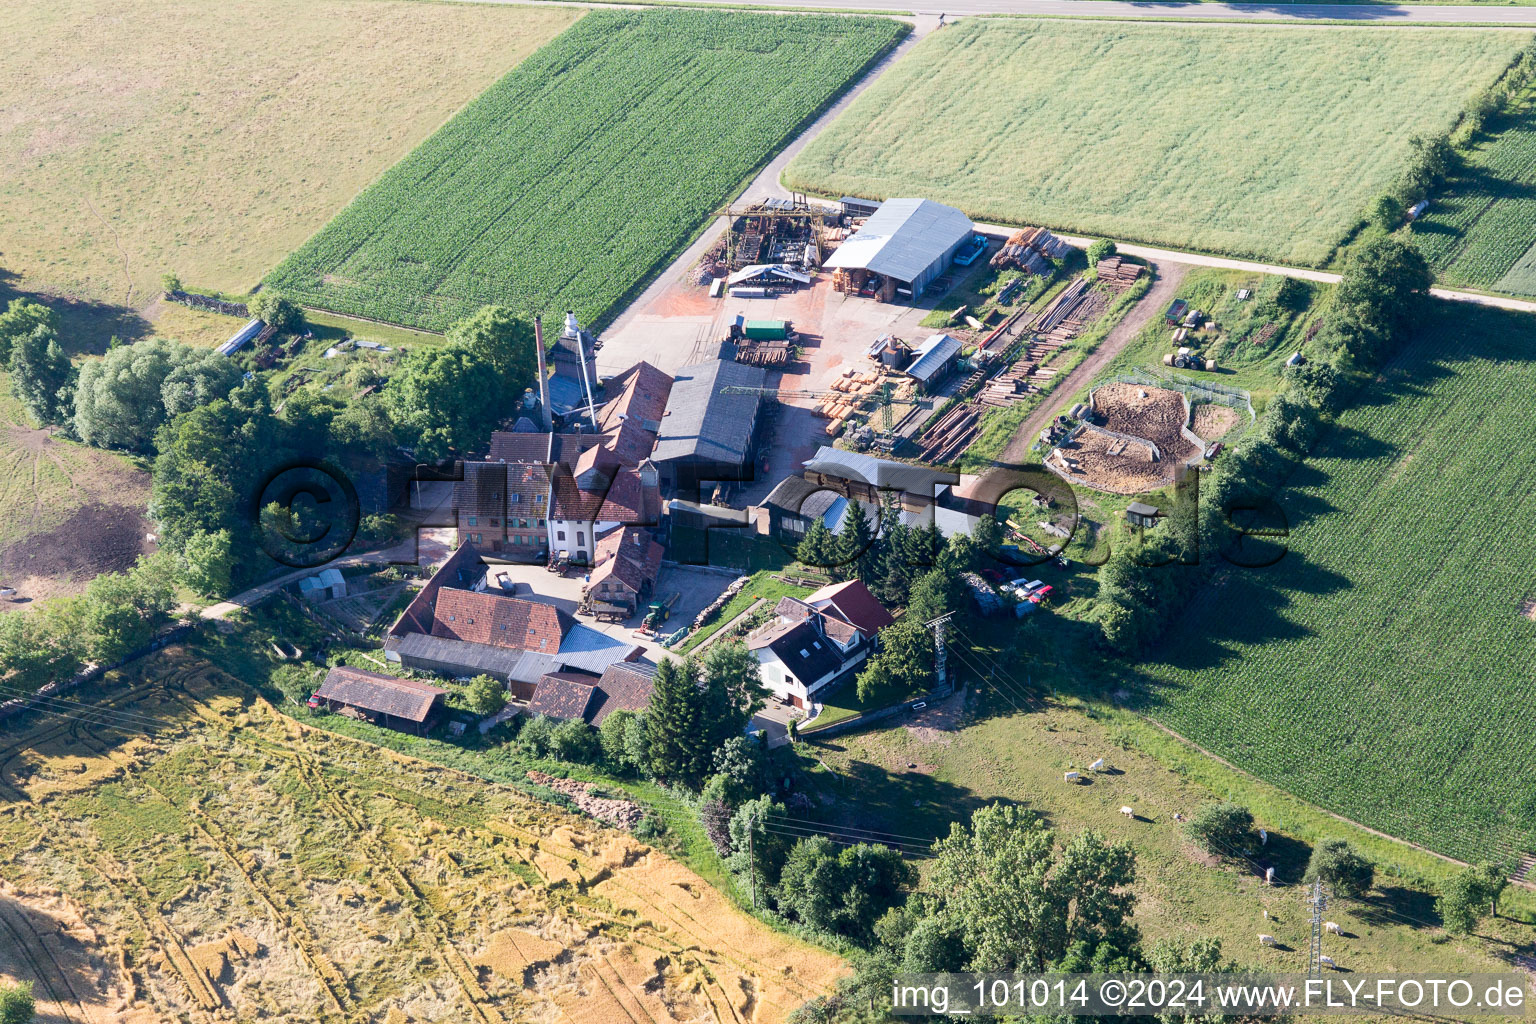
x=1326, y=961
x=1097, y=766
x=1071, y=777
x=1266, y=940
x=1269, y=876
x=1129, y=812
x=1332, y=926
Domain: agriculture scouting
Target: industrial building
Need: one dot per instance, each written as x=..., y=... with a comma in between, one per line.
x=901, y=249
x=934, y=361
x=707, y=433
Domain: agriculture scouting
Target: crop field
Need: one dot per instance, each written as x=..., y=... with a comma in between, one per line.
x=588, y=167
x=1249, y=140
x=148, y=136
x=217, y=861
x=1381, y=669
x=53, y=493
x=1480, y=230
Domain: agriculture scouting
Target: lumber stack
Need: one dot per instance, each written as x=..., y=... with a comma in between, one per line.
x=1118, y=273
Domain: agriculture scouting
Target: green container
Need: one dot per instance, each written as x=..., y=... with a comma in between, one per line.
x=766, y=330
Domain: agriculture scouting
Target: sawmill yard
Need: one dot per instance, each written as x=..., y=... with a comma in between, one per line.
x=578, y=176
x=1260, y=141
x=188, y=853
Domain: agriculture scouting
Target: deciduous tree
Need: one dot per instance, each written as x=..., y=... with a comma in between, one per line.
x=1340, y=865
x=42, y=378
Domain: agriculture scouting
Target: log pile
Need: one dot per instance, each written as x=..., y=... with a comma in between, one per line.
x=1028, y=249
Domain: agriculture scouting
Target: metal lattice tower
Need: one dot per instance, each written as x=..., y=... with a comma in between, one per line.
x=1319, y=902
x=940, y=654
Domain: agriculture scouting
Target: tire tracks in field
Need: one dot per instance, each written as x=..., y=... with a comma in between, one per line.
x=117, y=240
x=19, y=935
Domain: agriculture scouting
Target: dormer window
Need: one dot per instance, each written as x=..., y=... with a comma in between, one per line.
x=804, y=653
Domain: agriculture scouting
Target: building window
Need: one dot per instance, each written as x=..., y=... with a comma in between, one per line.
x=522, y=524
x=514, y=498
x=495, y=521
x=560, y=535
x=581, y=538
x=473, y=521
x=477, y=538
x=541, y=524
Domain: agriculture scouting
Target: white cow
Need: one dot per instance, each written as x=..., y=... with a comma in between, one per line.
x=1326, y=961
x=1266, y=940
x=1129, y=812
x=1097, y=766
x=1071, y=776
x=1332, y=926
x=1269, y=876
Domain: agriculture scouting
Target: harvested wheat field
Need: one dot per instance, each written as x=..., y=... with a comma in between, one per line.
x=53, y=493
x=1213, y=422
x=214, y=860
x=145, y=136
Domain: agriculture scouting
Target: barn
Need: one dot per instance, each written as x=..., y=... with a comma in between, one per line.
x=901, y=249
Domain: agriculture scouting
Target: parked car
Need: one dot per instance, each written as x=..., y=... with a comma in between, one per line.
x=315, y=703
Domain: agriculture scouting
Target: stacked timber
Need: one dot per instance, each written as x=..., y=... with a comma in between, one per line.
x=1118, y=273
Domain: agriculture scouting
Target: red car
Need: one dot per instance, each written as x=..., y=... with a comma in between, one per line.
x=315, y=703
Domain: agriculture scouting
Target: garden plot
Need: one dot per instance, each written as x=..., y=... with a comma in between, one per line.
x=251, y=868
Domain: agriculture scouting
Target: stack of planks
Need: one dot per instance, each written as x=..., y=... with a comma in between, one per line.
x=1117, y=273
x=953, y=434
x=1069, y=312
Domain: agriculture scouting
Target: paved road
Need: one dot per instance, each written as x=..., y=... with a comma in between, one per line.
x=1379, y=14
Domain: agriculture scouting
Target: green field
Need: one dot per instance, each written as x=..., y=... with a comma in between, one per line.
x=1253, y=140
x=1479, y=231
x=1382, y=668
x=583, y=170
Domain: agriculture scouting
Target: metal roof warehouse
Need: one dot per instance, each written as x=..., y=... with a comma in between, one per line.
x=909, y=241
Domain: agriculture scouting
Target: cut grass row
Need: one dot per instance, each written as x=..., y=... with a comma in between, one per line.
x=1260, y=141
x=588, y=167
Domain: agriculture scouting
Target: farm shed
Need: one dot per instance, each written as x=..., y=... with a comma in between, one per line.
x=706, y=435
x=563, y=695
x=1139, y=514
x=402, y=704
x=901, y=249
x=934, y=361
x=853, y=206
x=460, y=659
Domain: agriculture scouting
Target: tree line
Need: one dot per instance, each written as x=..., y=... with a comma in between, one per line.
x=1384, y=287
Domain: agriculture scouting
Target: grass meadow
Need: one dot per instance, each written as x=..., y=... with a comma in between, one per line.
x=1480, y=229
x=211, y=139
x=1381, y=669
x=1250, y=140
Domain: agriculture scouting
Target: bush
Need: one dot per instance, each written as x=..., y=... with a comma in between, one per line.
x=16, y=1003
x=575, y=741
x=485, y=696
x=1100, y=250
x=536, y=736
x=170, y=283
x=275, y=311
x=1340, y=865
x=1224, y=828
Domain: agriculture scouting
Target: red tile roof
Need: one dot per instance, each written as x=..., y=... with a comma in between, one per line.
x=499, y=620
x=853, y=602
x=625, y=685
x=400, y=698
x=628, y=555
x=624, y=500
x=563, y=695
x=630, y=419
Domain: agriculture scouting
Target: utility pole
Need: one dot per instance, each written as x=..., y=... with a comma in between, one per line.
x=940, y=655
x=1319, y=903
x=752, y=858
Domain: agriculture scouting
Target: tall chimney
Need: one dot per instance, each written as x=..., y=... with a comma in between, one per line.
x=538, y=344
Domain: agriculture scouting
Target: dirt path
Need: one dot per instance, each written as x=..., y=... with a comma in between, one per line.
x=1169, y=275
